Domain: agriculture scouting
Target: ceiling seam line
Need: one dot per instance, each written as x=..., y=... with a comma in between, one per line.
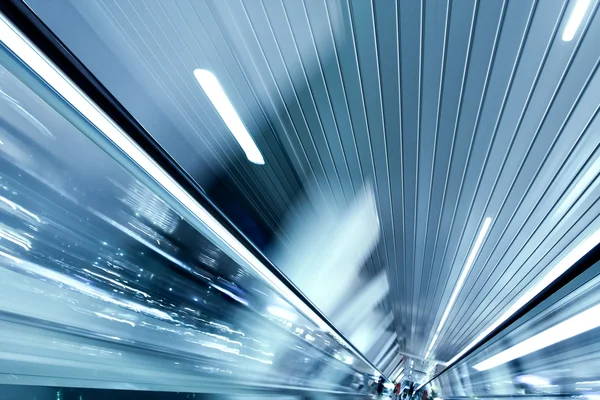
x=436, y=133
x=276, y=84
x=316, y=109
x=536, y=133
x=271, y=128
x=389, y=266
x=293, y=86
x=467, y=163
x=163, y=86
x=545, y=159
x=328, y=95
x=463, y=82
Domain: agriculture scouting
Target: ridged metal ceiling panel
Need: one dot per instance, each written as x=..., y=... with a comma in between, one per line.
x=454, y=111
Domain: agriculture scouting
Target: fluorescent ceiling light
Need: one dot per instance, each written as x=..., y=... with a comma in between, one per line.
x=575, y=19
x=282, y=313
x=39, y=64
x=219, y=99
x=461, y=279
x=574, y=326
x=560, y=268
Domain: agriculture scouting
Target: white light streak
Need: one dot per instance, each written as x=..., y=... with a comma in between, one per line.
x=219, y=99
x=575, y=19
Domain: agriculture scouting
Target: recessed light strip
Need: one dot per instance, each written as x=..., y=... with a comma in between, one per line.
x=45, y=69
x=575, y=19
x=574, y=326
x=461, y=280
x=215, y=93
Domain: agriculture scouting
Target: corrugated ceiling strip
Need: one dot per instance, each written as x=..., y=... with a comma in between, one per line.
x=549, y=105
x=437, y=124
x=323, y=81
x=344, y=95
x=314, y=108
x=416, y=284
x=547, y=159
x=464, y=172
x=347, y=14
x=270, y=219
x=503, y=104
x=294, y=91
x=392, y=267
x=463, y=81
x=278, y=194
x=277, y=172
x=277, y=105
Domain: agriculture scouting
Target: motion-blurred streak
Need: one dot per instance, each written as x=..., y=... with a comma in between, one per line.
x=104, y=284
x=552, y=351
x=19, y=210
x=370, y=330
x=14, y=104
x=356, y=311
x=331, y=245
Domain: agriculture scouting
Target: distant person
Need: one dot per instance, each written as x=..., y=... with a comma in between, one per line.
x=397, y=391
x=380, y=386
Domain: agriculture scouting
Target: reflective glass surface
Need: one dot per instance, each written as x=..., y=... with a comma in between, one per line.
x=554, y=350
x=106, y=284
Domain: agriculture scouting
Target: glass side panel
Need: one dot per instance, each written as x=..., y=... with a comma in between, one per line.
x=554, y=350
x=105, y=285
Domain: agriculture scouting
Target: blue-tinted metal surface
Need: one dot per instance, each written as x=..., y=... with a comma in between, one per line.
x=104, y=284
x=569, y=367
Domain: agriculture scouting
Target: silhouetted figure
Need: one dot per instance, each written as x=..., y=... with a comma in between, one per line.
x=380, y=386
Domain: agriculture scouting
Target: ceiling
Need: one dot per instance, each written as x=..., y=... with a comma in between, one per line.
x=451, y=112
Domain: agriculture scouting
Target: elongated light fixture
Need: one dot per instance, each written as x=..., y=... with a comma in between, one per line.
x=575, y=19
x=461, y=279
x=215, y=93
x=574, y=326
x=14, y=40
